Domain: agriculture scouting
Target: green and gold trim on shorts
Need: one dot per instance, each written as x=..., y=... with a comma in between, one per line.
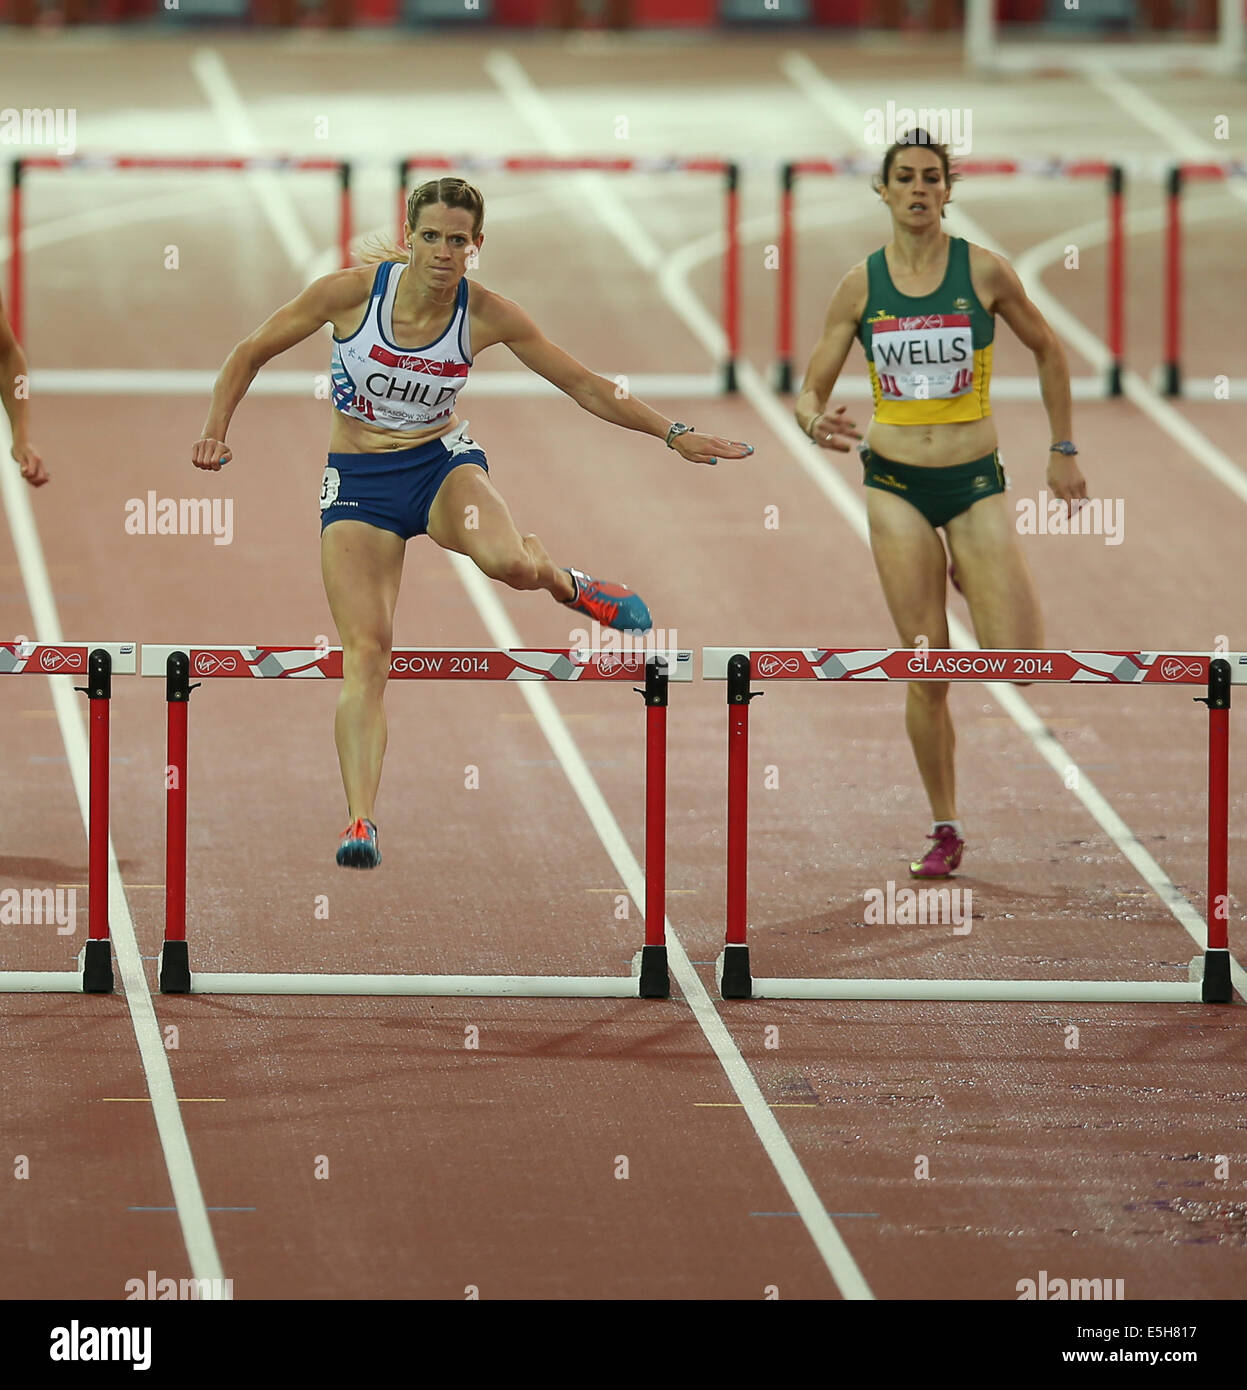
x=939, y=493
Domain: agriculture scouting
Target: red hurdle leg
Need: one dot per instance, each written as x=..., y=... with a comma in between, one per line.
x=1116, y=279
x=97, y=963
x=731, y=278
x=655, y=981
x=737, y=983
x=787, y=253
x=175, y=975
x=1173, y=284
x=1217, y=988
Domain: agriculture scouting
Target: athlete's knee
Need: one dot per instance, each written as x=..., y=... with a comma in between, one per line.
x=930, y=694
x=365, y=663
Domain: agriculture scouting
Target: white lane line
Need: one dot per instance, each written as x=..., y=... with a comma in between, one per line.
x=838, y=108
x=187, y=1195
x=274, y=199
x=822, y=1230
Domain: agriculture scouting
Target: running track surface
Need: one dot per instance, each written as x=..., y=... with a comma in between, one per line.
x=498, y=1167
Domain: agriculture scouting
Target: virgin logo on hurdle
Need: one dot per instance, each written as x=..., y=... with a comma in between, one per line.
x=772, y=665
x=208, y=663
x=1175, y=669
x=58, y=659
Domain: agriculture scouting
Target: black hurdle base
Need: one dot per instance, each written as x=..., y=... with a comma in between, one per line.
x=97, y=967
x=655, y=981
x=736, y=982
x=175, y=968
x=1216, y=987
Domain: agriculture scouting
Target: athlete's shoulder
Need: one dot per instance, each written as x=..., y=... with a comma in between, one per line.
x=848, y=299
x=991, y=274
x=495, y=318
x=341, y=289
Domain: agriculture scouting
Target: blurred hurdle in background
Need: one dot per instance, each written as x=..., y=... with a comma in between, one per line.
x=178, y=665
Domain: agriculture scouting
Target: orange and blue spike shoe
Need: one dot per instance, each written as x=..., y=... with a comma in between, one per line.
x=358, y=848
x=609, y=605
x=943, y=856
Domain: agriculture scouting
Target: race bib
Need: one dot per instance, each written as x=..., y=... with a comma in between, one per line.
x=926, y=358
x=329, y=485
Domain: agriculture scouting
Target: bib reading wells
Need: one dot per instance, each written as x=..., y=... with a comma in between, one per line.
x=929, y=356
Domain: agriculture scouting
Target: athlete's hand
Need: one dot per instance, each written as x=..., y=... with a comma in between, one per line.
x=833, y=430
x=709, y=448
x=211, y=454
x=1066, y=480
x=31, y=464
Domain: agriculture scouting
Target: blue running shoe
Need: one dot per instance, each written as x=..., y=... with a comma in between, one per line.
x=359, y=848
x=609, y=605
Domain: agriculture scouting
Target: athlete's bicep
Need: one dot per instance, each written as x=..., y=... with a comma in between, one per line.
x=301, y=317
x=1007, y=297
x=538, y=353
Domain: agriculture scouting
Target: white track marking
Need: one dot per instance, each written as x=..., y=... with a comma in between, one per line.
x=275, y=202
x=187, y=1196
x=822, y=1230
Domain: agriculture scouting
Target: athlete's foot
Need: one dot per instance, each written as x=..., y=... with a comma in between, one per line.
x=943, y=856
x=358, y=848
x=609, y=605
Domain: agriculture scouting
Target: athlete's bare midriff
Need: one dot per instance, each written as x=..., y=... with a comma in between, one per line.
x=931, y=445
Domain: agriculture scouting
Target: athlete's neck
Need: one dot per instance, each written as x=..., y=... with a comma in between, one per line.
x=916, y=252
x=416, y=298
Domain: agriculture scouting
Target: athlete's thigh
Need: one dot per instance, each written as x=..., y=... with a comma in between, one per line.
x=909, y=557
x=994, y=577
x=470, y=516
x=362, y=566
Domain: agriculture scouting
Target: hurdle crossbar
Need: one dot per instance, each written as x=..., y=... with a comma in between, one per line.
x=1209, y=976
x=1179, y=175
x=98, y=662
x=178, y=664
x=728, y=170
x=96, y=163
x=859, y=166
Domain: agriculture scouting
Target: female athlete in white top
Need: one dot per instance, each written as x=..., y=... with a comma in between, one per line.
x=401, y=463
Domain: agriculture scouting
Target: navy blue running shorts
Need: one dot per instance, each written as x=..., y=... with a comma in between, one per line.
x=394, y=490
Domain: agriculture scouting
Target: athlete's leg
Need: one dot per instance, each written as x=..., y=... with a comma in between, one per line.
x=362, y=567
x=469, y=516
x=909, y=557
x=994, y=578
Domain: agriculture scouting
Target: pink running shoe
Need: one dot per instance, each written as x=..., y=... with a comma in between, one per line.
x=609, y=605
x=942, y=858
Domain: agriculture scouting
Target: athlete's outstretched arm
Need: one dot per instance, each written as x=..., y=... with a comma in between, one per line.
x=293, y=322
x=1007, y=297
x=509, y=324
x=832, y=430
x=14, y=378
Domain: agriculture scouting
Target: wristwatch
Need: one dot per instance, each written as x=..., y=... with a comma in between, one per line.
x=677, y=429
x=1062, y=446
